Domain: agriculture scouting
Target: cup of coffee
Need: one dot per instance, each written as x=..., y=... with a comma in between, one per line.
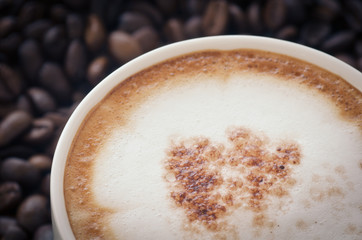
x=227, y=137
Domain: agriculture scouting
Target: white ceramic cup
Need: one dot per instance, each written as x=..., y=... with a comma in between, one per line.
x=61, y=225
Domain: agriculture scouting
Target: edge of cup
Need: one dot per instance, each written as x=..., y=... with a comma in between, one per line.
x=61, y=225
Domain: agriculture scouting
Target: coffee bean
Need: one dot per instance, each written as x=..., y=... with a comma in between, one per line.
x=75, y=26
x=58, y=13
x=76, y=61
x=313, y=33
x=296, y=11
x=41, y=131
x=192, y=27
x=148, y=10
x=14, y=233
x=147, y=37
x=237, y=18
x=31, y=58
x=57, y=118
x=274, y=14
x=29, y=12
x=33, y=212
x=9, y=45
x=359, y=64
x=353, y=14
x=21, y=171
x=97, y=70
x=254, y=18
x=41, y=162
x=6, y=108
x=24, y=103
x=54, y=80
x=338, y=41
x=7, y=25
x=20, y=151
x=173, y=30
x=358, y=48
x=215, y=18
x=347, y=59
x=5, y=223
x=123, y=47
x=37, y=29
x=42, y=100
x=10, y=83
x=95, y=33
x=44, y=232
x=132, y=21
x=195, y=7
x=13, y=125
x=10, y=196
x=168, y=7
x=55, y=42
x=327, y=10
x=45, y=185
x=287, y=33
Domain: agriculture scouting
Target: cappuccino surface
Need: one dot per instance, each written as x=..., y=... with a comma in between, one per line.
x=241, y=144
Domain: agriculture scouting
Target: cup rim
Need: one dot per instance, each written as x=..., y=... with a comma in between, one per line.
x=61, y=225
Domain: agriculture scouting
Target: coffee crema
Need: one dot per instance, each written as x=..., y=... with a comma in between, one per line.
x=216, y=144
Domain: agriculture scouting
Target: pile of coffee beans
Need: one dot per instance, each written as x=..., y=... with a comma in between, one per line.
x=52, y=53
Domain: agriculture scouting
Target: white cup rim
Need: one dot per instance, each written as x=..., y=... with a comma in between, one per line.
x=61, y=225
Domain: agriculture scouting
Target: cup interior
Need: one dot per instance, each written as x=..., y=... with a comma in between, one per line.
x=61, y=225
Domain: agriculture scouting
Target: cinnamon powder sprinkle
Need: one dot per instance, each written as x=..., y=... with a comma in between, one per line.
x=253, y=173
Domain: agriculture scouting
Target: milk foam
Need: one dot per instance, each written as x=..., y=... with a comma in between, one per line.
x=325, y=202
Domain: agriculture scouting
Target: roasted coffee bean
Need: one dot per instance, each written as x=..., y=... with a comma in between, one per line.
x=347, y=59
x=42, y=130
x=358, y=48
x=54, y=80
x=21, y=171
x=20, y=151
x=123, y=47
x=29, y=12
x=75, y=26
x=57, y=118
x=195, y=7
x=353, y=14
x=313, y=33
x=147, y=37
x=97, y=70
x=9, y=45
x=192, y=27
x=24, y=103
x=10, y=196
x=287, y=33
x=327, y=10
x=58, y=13
x=173, y=30
x=359, y=64
x=6, y=108
x=7, y=25
x=31, y=58
x=95, y=33
x=5, y=223
x=55, y=42
x=13, y=125
x=296, y=11
x=237, y=18
x=44, y=232
x=132, y=21
x=41, y=99
x=168, y=7
x=33, y=212
x=45, y=185
x=338, y=41
x=254, y=18
x=10, y=83
x=76, y=61
x=37, y=29
x=215, y=18
x=41, y=162
x=274, y=13
x=14, y=233
x=149, y=10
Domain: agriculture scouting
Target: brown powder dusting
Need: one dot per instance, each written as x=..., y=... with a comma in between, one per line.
x=253, y=174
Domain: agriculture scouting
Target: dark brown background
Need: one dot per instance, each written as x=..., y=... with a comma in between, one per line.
x=52, y=53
